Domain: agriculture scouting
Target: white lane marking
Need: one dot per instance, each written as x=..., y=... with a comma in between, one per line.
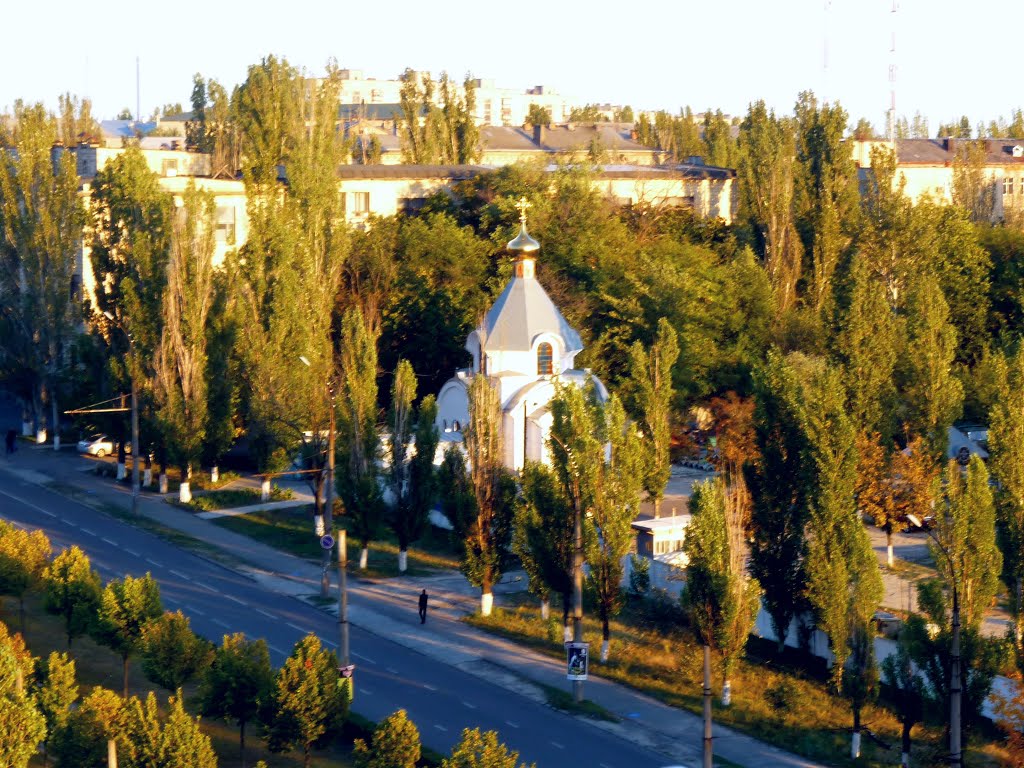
x=277, y=650
x=108, y=541
x=556, y=744
x=46, y=512
x=234, y=599
x=509, y=722
x=441, y=728
x=603, y=765
x=392, y=670
x=221, y=623
x=132, y=552
x=29, y=504
x=296, y=627
x=468, y=705
x=265, y=613
x=193, y=609
x=86, y=530
x=153, y=563
x=69, y=523
x=367, y=659
x=180, y=575
x=366, y=691
x=429, y=687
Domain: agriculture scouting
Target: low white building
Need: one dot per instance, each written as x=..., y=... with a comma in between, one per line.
x=524, y=345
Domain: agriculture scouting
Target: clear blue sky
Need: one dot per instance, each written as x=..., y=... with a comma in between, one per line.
x=951, y=57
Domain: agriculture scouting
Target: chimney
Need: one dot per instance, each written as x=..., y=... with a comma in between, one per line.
x=540, y=135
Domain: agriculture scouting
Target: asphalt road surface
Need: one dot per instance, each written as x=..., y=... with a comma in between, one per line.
x=440, y=699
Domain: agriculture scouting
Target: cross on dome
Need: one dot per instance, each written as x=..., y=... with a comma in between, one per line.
x=522, y=206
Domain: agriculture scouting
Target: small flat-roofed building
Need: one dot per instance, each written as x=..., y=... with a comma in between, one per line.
x=662, y=537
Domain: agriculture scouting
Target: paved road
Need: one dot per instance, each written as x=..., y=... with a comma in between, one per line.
x=440, y=699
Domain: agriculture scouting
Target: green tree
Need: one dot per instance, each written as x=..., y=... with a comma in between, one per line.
x=963, y=269
x=487, y=533
x=24, y=556
x=542, y=536
x=780, y=484
x=722, y=598
x=41, y=220
x=875, y=492
x=56, y=693
x=22, y=725
x=308, y=702
x=181, y=358
x=77, y=125
x=151, y=741
x=1006, y=447
x=615, y=505
x=437, y=124
x=722, y=149
x=481, y=750
x=126, y=606
x=767, y=174
x=651, y=378
x=172, y=654
x=89, y=738
x=868, y=344
x=238, y=684
x=395, y=744
x=908, y=690
x=72, y=591
x=358, y=483
x=412, y=478
x=538, y=115
x=973, y=184
x=933, y=394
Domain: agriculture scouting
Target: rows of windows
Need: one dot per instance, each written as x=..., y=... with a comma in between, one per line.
x=1008, y=185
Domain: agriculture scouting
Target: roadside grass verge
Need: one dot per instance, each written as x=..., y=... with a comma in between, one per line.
x=200, y=480
x=291, y=530
x=771, y=700
x=564, y=702
x=230, y=498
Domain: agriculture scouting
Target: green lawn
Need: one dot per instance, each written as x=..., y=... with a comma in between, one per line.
x=229, y=498
x=291, y=530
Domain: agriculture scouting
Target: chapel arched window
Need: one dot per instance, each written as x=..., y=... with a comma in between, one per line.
x=545, y=365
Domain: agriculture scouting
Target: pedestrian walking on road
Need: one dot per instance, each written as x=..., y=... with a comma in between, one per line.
x=11, y=440
x=423, y=607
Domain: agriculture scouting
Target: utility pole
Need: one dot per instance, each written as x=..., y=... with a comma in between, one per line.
x=708, y=750
x=135, y=445
x=577, y=593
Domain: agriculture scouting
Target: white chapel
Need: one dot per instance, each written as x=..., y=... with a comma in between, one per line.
x=523, y=345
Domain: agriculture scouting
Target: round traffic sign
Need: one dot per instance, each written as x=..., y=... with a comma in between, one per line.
x=327, y=541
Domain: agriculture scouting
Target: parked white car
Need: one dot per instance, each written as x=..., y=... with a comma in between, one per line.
x=100, y=445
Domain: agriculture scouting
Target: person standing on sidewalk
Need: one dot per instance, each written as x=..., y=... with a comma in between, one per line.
x=423, y=607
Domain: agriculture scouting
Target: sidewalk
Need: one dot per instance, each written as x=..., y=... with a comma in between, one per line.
x=387, y=608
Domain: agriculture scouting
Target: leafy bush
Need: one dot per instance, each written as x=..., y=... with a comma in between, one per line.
x=783, y=696
x=639, y=575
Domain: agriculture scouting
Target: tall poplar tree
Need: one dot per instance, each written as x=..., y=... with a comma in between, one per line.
x=357, y=475
x=767, y=173
x=181, y=359
x=126, y=606
x=780, y=484
x=1006, y=449
x=41, y=221
x=651, y=379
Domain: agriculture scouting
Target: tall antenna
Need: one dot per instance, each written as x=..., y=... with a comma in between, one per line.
x=892, y=72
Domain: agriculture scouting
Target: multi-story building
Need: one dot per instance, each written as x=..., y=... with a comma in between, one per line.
x=927, y=166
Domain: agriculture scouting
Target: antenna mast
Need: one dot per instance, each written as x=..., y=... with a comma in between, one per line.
x=892, y=72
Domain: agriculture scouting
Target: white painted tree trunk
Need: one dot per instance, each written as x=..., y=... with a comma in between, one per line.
x=122, y=470
x=566, y=633
x=604, y=650
x=56, y=441
x=214, y=474
x=486, y=603
x=403, y=560
x=147, y=477
x=40, y=436
x=111, y=753
x=889, y=555
x=26, y=428
x=318, y=525
x=726, y=693
x=184, y=492
x=364, y=556
x=163, y=482
x=855, y=745
x=265, y=489
x=545, y=609
x=905, y=759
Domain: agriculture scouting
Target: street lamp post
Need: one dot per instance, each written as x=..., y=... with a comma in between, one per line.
x=135, y=416
x=955, y=684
